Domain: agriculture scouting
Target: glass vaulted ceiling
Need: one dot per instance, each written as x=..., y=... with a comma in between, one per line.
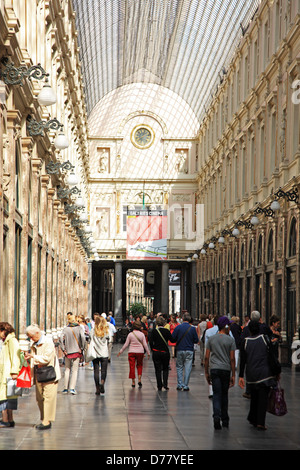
x=183, y=45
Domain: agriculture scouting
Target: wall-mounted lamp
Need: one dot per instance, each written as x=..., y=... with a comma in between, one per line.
x=77, y=222
x=291, y=196
x=275, y=206
x=79, y=203
x=72, y=179
x=254, y=220
x=70, y=208
x=268, y=212
x=12, y=75
x=38, y=128
x=244, y=224
x=203, y=249
x=225, y=232
x=54, y=168
x=235, y=232
x=63, y=193
x=83, y=217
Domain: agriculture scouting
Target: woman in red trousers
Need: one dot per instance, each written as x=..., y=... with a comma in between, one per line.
x=137, y=344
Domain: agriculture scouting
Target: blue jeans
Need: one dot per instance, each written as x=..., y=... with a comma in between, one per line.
x=184, y=363
x=220, y=384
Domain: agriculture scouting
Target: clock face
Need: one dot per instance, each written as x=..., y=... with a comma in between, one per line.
x=142, y=137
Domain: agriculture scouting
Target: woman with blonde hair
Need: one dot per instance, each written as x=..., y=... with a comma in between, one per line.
x=100, y=338
x=9, y=368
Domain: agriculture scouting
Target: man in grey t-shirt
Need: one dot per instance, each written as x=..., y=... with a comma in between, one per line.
x=220, y=370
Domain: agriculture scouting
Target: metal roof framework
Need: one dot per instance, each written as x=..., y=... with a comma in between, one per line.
x=183, y=45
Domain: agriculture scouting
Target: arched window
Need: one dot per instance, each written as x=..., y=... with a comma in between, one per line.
x=293, y=239
x=270, y=250
x=259, y=251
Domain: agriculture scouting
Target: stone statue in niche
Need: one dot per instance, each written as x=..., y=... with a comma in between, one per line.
x=103, y=161
x=102, y=224
x=181, y=162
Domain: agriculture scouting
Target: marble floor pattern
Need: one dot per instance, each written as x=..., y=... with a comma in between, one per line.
x=128, y=419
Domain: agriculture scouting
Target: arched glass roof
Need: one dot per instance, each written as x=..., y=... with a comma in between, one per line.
x=183, y=45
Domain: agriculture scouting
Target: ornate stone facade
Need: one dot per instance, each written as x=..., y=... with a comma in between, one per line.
x=43, y=268
x=249, y=155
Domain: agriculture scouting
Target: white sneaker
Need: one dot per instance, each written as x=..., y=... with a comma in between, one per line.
x=73, y=392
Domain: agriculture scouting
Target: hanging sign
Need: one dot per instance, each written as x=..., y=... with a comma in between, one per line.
x=146, y=234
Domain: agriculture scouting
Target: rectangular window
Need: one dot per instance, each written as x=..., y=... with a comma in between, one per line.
x=18, y=232
x=38, y=300
x=4, y=280
x=29, y=283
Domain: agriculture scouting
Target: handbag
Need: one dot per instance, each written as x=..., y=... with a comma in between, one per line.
x=12, y=391
x=24, y=378
x=45, y=374
x=91, y=353
x=276, y=402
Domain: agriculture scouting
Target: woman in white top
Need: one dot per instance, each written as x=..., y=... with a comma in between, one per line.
x=100, y=338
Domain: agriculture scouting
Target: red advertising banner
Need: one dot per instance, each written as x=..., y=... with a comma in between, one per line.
x=146, y=234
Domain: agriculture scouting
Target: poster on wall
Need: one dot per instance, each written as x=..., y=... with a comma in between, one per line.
x=146, y=234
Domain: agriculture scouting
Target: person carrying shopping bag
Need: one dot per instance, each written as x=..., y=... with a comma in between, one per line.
x=9, y=368
x=43, y=359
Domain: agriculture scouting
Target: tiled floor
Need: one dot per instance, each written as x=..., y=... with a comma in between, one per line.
x=145, y=419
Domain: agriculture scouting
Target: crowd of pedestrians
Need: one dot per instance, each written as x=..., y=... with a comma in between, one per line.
x=226, y=349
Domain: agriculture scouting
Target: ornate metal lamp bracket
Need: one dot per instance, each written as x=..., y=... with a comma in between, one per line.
x=37, y=128
x=12, y=75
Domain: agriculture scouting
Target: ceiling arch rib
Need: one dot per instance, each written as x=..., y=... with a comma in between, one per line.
x=182, y=45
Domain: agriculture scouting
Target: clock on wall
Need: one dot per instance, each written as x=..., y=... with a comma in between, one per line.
x=142, y=136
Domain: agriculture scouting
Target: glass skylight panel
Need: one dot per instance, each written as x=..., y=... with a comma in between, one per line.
x=179, y=44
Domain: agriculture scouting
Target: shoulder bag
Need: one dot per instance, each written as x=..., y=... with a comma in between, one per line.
x=157, y=329
x=45, y=373
x=91, y=352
